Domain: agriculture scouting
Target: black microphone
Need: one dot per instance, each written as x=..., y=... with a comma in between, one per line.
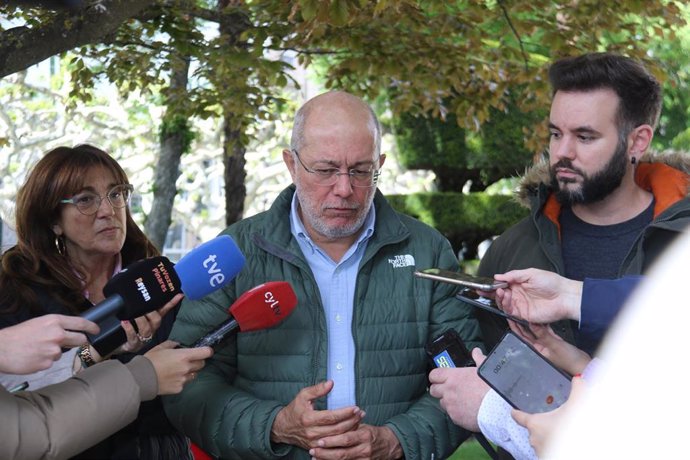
x=141, y=288
x=149, y=284
x=138, y=289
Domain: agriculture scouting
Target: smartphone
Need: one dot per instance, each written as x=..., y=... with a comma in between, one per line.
x=483, y=283
x=472, y=298
x=523, y=377
x=448, y=350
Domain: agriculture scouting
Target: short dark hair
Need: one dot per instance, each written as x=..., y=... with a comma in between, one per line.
x=639, y=92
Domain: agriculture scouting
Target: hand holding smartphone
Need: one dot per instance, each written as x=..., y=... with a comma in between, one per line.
x=448, y=350
x=523, y=377
x=471, y=282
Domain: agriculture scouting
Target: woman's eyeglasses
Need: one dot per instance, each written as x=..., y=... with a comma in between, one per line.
x=88, y=203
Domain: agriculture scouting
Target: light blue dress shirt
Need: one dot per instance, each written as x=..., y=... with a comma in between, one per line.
x=336, y=282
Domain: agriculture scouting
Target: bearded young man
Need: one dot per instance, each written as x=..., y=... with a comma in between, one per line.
x=601, y=207
x=345, y=375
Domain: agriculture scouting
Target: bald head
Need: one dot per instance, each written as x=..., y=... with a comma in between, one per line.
x=331, y=109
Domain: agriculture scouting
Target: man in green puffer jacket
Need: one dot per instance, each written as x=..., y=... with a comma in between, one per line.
x=345, y=375
x=600, y=207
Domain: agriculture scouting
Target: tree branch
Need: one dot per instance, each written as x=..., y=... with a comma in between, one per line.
x=22, y=47
x=315, y=52
x=515, y=32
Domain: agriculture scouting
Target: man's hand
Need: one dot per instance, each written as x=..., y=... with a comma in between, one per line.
x=542, y=425
x=35, y=344
x=366, y=442
x=460, y=391
x=299, y=424
x=540, y=296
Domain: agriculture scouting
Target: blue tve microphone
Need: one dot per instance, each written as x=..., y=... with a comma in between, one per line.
x=209, y=266
x=149, y=284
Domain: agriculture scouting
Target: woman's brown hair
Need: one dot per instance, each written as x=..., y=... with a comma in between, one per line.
x=34, y=263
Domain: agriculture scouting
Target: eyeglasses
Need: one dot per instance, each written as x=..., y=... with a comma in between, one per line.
x=365, y=177
x=88, y=203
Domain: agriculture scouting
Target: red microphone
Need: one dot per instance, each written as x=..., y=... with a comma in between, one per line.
x=261, y=307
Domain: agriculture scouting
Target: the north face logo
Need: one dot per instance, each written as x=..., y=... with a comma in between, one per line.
x=405, y=260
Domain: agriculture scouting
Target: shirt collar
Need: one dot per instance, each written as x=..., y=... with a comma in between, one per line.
x=118, y=269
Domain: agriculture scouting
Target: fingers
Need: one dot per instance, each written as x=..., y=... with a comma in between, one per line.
x=341, y=420
x=522, y=418
x=300, y=424
x=437, y=380
x=65, y=331
x=76, y=323
x=176, y=367
x=514, y=276
x=335, y=417
x=72, y=339
x=129, y=329
x=366, y=442
x=147, y=325
x=505, y=301
x=133, y=343
x=197, y=355
x=478, y=356
x=191, y=355
x=316, y=391
x=500, y=298
x=170, y=305
x=351, y=444
x=526, y=332
x=439, y=375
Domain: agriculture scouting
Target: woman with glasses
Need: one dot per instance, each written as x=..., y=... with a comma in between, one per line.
x=75, y=231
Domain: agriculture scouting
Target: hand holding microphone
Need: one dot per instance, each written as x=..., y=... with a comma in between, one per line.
x=147, y=284
x=175, y=367
x=140, y=331
x=34, y=345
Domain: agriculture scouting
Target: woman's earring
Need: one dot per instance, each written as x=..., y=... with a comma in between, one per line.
x=60, y=245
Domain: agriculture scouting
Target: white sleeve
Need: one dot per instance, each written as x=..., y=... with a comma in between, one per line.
x=60, y=371
x=498, y=426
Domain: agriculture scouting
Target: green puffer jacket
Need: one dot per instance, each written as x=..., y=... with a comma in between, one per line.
x=229, y=409
x=535, y=240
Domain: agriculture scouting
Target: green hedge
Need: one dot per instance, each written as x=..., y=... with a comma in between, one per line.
x=469, y=218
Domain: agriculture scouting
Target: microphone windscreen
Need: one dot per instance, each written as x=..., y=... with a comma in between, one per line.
x=144, y=286
x=209, y=266
x=264, y=306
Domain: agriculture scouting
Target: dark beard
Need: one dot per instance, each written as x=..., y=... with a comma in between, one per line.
x=596, y=187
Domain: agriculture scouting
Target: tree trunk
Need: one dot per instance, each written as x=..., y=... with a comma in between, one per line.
x=174, y=141
x=234, y=162
x=231, y=27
